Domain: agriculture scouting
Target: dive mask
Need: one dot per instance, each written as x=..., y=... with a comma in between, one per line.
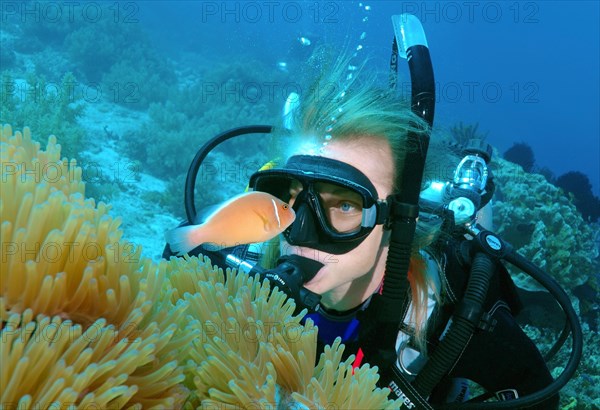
x=336, y=205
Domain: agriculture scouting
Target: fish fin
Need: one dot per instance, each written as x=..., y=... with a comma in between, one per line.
x=181, y=240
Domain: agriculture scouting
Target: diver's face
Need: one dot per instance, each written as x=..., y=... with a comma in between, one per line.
x=348, y=279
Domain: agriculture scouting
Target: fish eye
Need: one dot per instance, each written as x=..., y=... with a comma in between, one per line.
x=285, y=206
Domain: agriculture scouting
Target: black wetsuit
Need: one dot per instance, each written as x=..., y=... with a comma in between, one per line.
x=503, y=358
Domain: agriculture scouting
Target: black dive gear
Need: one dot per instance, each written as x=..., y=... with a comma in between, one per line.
x=291, y=272
x=482, y=253
x=322, y=185
x=471, y=188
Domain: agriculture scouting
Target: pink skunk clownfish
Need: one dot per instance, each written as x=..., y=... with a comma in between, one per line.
x=247, y=218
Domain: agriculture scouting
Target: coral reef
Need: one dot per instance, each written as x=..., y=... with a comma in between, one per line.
x=536, y=218
x=112, y=56
x=46, y=107
x=546, y=228
x=87, y=322
x=463, y=133
x=573, y=182
x=122, y=58
x=7, y=56
x=579, y=185
x=521, y=154
x=217, y=101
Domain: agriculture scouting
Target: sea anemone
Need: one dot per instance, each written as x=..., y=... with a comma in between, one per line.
x=86, y=321
x=79, y=319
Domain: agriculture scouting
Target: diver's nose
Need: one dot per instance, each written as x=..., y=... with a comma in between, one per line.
x=303, y=231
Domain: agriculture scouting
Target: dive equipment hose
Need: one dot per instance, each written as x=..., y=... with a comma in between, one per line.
x=190, y=180
x=487, y=242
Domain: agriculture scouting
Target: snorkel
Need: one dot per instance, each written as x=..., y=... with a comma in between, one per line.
x=392, y=304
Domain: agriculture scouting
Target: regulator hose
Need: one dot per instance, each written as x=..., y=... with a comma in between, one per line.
x=190, y=180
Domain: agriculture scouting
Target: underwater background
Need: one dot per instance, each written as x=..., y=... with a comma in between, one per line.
x=133, y=89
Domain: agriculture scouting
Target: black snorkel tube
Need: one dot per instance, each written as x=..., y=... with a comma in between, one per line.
x=391, y=306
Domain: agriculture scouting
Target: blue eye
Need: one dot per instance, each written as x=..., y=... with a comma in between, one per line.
x=346, y=207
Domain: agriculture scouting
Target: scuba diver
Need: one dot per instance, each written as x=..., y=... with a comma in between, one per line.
x=387, y=255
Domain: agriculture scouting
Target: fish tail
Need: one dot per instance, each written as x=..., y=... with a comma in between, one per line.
x=181, y=240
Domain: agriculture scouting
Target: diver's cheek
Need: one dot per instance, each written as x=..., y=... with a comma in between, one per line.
x=317, y=283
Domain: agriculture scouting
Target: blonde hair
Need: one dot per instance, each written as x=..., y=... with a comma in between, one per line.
x=345, y=104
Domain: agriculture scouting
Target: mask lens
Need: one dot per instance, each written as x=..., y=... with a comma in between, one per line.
x=278, y=186
x=341, y=206
x=286, y=188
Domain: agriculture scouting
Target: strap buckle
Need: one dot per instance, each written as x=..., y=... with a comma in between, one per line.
x=507, y=394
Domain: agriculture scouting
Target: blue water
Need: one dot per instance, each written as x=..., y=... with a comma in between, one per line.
x=525, y=71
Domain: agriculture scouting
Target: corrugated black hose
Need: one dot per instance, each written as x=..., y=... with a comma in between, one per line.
x=467, y=317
